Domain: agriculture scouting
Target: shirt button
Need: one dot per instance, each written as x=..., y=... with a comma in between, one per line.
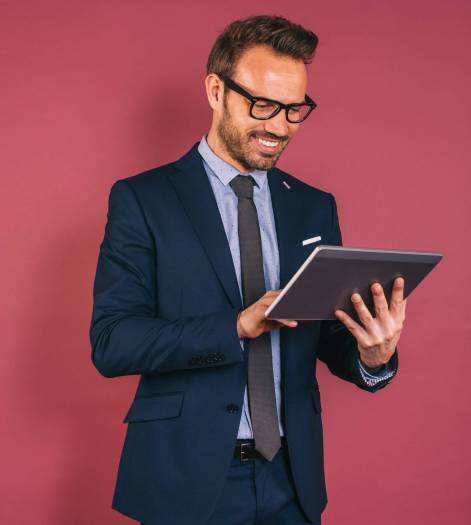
x=232, y=408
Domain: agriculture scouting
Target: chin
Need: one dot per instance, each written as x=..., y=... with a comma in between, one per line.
x=265, y=162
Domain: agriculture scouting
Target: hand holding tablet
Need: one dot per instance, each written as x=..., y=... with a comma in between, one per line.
x=365, y=289
x=377, y=337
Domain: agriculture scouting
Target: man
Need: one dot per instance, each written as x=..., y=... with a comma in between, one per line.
x=225, y=427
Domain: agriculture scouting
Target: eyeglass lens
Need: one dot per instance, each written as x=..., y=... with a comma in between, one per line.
x=264, y=109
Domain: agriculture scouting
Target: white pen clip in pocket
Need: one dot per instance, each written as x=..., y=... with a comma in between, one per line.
x=311, y=240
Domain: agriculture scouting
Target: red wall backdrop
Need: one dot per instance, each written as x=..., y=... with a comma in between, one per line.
x=93, y=91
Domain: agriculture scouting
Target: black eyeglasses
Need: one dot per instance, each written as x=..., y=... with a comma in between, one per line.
x=262, y=108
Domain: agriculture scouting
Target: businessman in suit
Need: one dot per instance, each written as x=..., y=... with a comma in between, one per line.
x=225, y=427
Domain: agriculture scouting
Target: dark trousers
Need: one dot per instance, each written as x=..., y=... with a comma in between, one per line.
x=259, y=492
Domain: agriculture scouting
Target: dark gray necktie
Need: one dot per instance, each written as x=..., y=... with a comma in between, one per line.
x=261, y=387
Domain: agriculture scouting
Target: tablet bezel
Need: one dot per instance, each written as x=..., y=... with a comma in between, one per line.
x=415, y=256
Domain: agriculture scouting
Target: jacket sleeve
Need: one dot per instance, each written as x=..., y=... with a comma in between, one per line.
x=127, y=336
x=337, y=346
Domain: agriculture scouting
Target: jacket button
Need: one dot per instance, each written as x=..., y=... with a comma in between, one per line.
x=232, y=408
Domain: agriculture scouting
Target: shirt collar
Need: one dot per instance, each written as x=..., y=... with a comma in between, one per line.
x=224, y=171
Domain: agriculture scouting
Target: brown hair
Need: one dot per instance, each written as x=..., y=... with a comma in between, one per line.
x=285, y=37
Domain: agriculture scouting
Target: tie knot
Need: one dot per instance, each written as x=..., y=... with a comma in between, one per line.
x=243, y=186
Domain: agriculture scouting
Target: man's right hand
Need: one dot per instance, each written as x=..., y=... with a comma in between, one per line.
x=252, y=322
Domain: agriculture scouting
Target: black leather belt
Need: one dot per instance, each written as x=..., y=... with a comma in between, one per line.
x=245, y=449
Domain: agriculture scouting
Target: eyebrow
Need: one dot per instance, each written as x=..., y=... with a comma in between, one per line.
x=269, y=98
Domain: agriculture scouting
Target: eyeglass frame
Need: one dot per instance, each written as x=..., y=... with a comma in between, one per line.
x=239, y=89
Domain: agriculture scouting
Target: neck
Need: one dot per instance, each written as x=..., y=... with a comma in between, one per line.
x=218, y=148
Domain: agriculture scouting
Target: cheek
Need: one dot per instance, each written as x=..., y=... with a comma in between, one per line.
x=242, y=123
x=292, y=129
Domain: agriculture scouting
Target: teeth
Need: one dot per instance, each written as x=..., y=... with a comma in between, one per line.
x=268, y=143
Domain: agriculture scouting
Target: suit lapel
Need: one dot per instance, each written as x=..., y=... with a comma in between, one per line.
x=289, y=223
x=194, y=190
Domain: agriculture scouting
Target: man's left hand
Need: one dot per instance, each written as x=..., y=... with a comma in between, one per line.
x=377, y=338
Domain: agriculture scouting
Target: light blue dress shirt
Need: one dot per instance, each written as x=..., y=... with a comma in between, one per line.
x=220, y=173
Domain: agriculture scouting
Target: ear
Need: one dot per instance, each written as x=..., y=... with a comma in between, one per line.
x=214, y=91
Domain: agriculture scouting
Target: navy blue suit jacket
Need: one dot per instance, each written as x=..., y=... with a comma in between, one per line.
x=166, y=300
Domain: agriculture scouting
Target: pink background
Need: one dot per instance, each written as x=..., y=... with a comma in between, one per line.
x=94, y=91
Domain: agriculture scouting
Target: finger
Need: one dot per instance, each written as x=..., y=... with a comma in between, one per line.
x=397, y=297
x=380, y=302
x=362, y=311
x=352, y=326
x=275, y=323
x=400, y=318
x=264, y=303
x=271, y=293
x=266, y=299
x=287, y=322
x=269, y=297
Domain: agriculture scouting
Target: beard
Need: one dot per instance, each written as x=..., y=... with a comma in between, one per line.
x=242, y=147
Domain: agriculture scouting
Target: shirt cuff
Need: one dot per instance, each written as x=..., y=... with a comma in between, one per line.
x=373, y=378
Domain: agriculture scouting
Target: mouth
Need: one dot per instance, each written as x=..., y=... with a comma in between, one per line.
x=267, y=145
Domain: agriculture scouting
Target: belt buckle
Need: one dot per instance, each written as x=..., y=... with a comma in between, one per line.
x=242, y=451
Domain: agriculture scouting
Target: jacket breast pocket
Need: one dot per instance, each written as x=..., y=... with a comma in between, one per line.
x=158, y=406
x=316, y=399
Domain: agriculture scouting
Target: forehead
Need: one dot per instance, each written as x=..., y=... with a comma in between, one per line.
x=267, y=74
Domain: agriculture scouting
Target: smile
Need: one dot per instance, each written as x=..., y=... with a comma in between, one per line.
x=268, y=143
x=267, y=146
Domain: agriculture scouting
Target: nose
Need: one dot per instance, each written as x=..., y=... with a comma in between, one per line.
x=278, y=125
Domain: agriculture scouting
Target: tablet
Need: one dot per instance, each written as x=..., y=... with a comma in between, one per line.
x=331, y=274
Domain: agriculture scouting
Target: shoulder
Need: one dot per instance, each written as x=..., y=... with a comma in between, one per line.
x=154, y=181
x=150, y=178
